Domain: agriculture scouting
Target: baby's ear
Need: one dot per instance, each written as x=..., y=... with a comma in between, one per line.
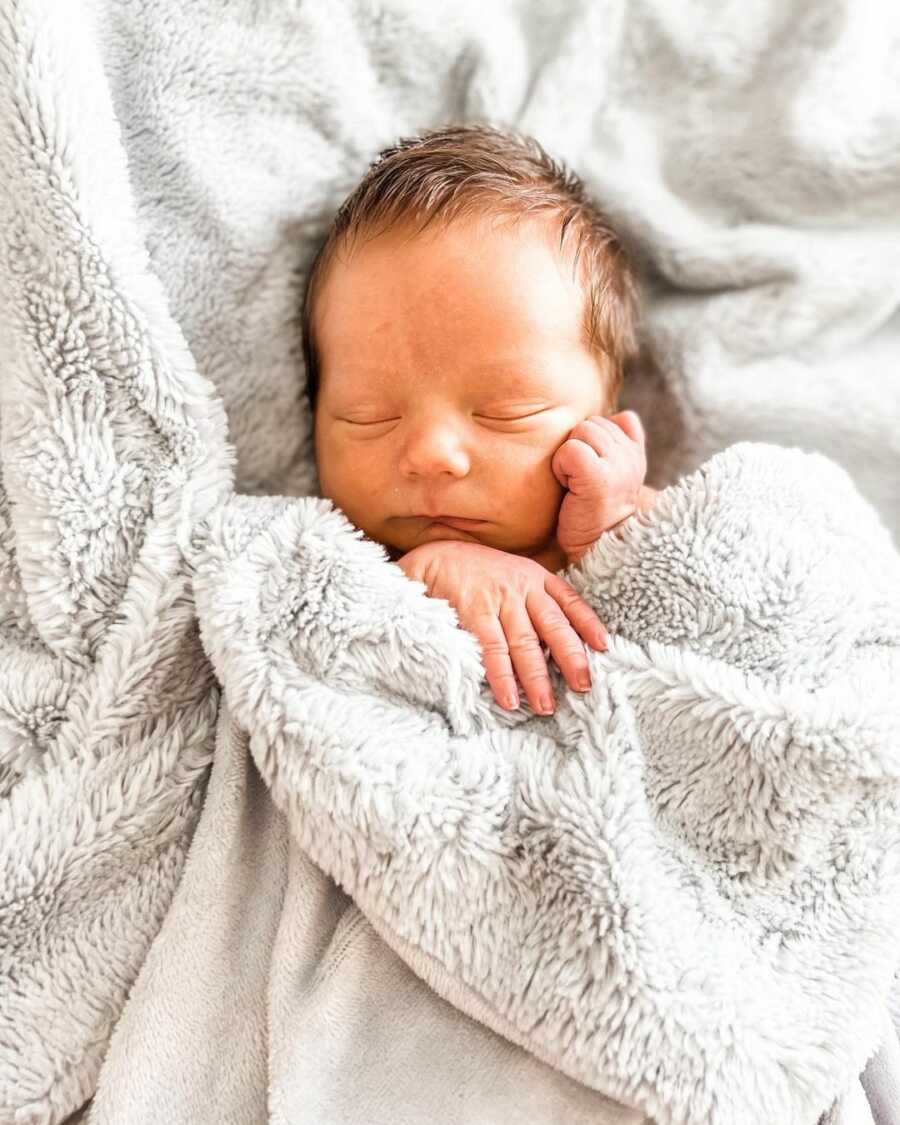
x=284, y=584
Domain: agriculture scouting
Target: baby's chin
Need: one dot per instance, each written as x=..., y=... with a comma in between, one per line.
x=451, y=536
x=548, y=554
x=419, y=532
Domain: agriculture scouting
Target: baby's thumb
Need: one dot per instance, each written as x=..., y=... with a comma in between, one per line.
x=562, y=463
x=555, y=469
x=571, y=461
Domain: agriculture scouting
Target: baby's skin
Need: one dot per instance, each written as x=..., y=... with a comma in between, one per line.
x=513, y=604
x=455, y=379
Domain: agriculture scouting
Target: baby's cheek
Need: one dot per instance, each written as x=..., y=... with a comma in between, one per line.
x=536, y=499
x=357, y=474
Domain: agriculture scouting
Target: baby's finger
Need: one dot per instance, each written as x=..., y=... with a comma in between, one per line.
x=565, y=644
x=495, y=657
x=631, y=423
x=574, y=458
x=601, y=435
x=577, y=610
x=527, y=656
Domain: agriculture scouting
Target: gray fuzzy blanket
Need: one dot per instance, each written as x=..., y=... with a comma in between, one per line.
x=268, y=849
x=682, y=888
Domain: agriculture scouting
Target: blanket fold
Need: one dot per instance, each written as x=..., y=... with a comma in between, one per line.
x=681, y=888
x=110, y=446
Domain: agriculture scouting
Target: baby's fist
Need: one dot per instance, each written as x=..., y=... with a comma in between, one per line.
x=602, y=464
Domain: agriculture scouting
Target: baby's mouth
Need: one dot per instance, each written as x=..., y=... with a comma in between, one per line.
x=460, y=522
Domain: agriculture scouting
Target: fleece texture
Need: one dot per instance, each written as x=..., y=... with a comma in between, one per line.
x=682, y=888
x=267, y=849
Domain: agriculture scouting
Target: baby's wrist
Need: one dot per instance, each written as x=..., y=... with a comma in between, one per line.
x=647, y=498
x=644, y=502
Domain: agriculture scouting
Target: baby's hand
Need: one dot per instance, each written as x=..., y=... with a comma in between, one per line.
x=509, y=602
x=602, y=463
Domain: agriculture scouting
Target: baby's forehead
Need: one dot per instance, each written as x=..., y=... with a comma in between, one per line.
x=448, y=296
x=487, y=255
x=479, y=227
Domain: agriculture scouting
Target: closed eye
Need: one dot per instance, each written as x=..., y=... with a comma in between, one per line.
x=512, y=417
x=486, y=417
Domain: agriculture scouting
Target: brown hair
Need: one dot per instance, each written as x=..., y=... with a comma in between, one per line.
x=460, y=169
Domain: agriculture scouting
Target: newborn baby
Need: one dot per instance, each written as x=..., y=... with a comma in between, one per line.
x=463, y=376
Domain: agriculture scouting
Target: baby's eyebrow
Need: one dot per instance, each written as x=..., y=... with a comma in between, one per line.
x=516, y=366
x=518, y=377
x=508, y=375
x=519, y=366
x=363, y=369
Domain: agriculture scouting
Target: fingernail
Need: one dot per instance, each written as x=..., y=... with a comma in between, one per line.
x=583, y=680
x=511, y=700
x=545, y=704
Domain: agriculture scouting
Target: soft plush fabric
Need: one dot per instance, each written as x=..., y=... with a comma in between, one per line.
x=173, y=818
x=683, y=887
x=881, y=1079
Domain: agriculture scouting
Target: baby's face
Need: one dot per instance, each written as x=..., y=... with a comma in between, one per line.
x=452, y=367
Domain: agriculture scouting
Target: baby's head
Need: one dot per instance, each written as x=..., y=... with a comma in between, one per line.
x=469, y=306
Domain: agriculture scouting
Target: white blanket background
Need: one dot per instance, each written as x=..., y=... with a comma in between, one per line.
x=166, y=172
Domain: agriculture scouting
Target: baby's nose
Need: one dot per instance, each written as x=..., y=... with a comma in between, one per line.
x=434, y=451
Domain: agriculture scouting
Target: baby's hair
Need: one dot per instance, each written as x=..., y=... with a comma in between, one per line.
x=459, y=170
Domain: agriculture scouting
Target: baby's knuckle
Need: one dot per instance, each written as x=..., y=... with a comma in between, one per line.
x=563, y=592
x=555, y=623
x=501, y=680
x=573, y=659
x=519, y=642
x=534, y=678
